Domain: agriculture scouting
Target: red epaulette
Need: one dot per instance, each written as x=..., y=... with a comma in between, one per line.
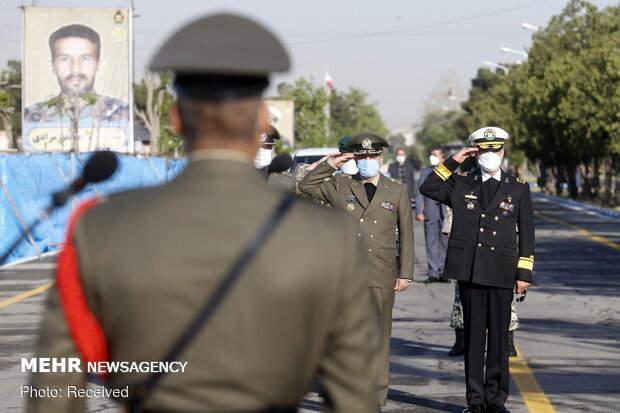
x=84, y=328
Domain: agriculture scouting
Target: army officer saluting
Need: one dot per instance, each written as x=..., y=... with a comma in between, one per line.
x=380, y=206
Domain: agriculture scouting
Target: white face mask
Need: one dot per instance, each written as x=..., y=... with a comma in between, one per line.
x=401, y=159
x=489, y=161
x=434, y=160
x=349, y=167
x=262, y=158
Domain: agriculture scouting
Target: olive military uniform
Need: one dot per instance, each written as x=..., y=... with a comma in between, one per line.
x=149, y=258
x=483, y=255
x=376, y=222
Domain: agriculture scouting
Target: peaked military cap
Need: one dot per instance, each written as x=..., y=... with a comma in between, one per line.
x=367, y=143
x=342, y=145
x=269, y=138
x=489, y=137
x=221, y=57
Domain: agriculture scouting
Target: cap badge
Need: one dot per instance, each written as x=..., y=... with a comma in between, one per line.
x=489, y=134
x=366, y=144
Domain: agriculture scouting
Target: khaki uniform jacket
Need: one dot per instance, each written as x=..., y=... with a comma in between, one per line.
x=149, y=258
x=376, y=222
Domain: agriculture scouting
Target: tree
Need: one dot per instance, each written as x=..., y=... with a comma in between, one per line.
x=351, y=114
x=11, y=100
x=310, y=117
x=152, y=101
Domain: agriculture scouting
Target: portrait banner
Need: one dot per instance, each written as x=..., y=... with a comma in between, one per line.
x=77, y=80
x=281, y=115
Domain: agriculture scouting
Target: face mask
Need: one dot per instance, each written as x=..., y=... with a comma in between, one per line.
x=401, y=159
x=349, y=167
x=434, y=160
x=262, y=158
x=489, y=161
x=368, y=167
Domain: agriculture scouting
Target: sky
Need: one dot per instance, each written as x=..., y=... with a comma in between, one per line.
x=399, y=51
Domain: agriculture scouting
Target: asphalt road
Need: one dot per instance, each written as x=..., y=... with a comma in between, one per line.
x=568, y=340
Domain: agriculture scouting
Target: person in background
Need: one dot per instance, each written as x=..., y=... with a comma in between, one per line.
x=432, y=214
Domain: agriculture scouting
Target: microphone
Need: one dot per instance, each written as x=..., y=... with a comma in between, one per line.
x=99, y=167
x=279, y=163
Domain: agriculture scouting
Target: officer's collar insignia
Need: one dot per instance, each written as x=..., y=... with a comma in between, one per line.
x=472, y=196
x=509, y=198
x=366, y=144
x=489, y=134
x=507, y=181
x=389, y=206
x=475, y=177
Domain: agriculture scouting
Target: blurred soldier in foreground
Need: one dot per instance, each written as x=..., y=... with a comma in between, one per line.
x=149, y=259
x=489, y=206
x=380, y=206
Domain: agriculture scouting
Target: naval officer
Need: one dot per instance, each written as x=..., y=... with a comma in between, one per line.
x=140, y=266
x=381, y=207
x=487, y=258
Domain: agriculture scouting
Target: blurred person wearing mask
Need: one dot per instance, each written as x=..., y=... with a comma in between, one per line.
x=403, y=170
x=433, y=214
x=380, y=206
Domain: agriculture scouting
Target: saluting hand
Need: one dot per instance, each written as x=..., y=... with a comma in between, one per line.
x=338, y=159
x=464, y=154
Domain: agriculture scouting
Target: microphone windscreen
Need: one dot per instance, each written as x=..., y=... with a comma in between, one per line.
x=100, y=166
x=280, y=163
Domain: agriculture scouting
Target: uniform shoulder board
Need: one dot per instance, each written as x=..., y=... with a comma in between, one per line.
x=346, y=176
x=462, y=173
x=521, y=180
x=396, y=181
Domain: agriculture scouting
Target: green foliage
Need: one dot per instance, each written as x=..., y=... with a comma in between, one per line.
x=349, y=111
x=438, y=128
x=350, y=114
x=11, y=94
x=310, y=117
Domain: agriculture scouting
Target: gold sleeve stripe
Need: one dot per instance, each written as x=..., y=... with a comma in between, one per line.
x=526, y=263
x=443, y=172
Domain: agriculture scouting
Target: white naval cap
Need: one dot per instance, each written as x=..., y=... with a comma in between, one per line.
x=489, y=136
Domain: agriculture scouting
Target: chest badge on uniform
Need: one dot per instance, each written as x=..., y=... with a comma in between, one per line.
x=507, y=207
x=509, y=198
x=350, y=207
x=351, y=200
x=389, y=206
x=471, y=199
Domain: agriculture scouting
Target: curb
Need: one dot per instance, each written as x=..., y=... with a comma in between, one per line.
x=560, y=200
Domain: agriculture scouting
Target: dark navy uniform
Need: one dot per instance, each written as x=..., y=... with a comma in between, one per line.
x=486, y=257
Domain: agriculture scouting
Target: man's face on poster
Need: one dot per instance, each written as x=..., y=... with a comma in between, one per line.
x=75, y=64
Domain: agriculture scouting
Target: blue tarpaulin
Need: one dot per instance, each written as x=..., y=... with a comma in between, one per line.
x=28, y=182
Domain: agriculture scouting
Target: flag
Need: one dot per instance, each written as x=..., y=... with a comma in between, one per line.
x=329, y=84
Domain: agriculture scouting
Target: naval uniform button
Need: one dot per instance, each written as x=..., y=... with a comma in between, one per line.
x=479, y=245
x=359, y=235
x=372, y=236
x=361, y=219
x=483, y=215
x=496, y=218
x=494, y=232
x=369, y=250
x=375, y=221
x=481, y=229
x=492, y=248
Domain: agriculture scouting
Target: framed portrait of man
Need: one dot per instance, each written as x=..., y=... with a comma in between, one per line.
x=77, y=80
